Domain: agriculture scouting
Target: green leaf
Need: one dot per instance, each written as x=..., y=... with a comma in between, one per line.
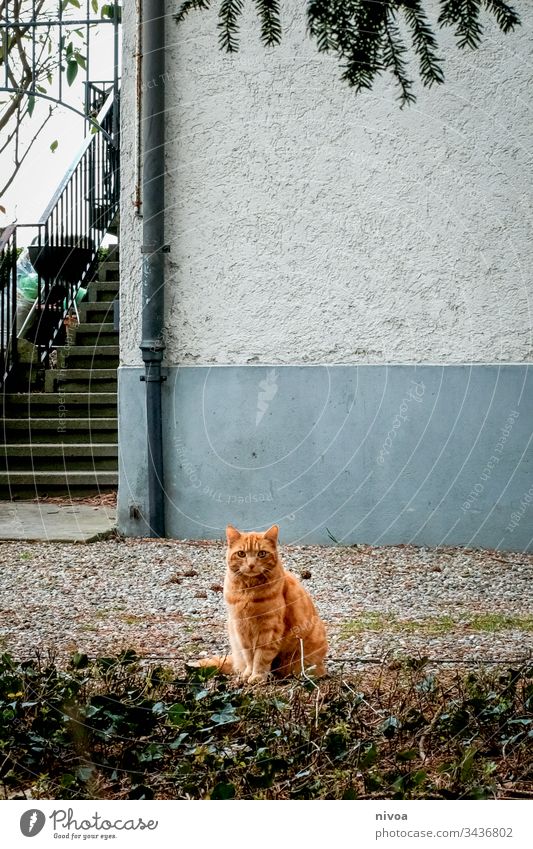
x=153, y=752
x=31, y=104
x=389, y=726
x=201, y=694
x=141, y=791
x=419, y=777
x=467, y=764
x=407, y=755
x=350, y=794
x=399, y=784
x=84, y=773
x=178, y=741
x=53, y=148
x=370, y=756
x=223, y=790
x=108, y=11
x=127, y=657
x=72, y=71
x=105, y=663
x=94, y=4
x=177, y=714
x=225, y=716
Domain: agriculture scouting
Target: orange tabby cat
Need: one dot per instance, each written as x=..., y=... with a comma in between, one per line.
x=272, y=622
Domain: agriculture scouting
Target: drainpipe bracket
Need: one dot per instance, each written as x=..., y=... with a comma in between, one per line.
x=153, y=378
x=152, y=349
x=152, y=249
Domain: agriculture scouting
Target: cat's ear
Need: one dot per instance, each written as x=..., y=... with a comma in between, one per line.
x=272, y=533
x=232, y=534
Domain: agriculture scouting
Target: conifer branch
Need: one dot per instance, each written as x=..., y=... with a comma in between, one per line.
x=464, y=15
x=363, y=57
x=506, y=17
x=424, y=42
x=188, y=5
x=365, y=34
x=321, y=24
x=394, y=51
x=228, y=27
x=269, y=15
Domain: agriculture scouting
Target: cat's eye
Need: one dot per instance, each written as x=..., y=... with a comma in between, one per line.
x=261, y=553
x=241, y=554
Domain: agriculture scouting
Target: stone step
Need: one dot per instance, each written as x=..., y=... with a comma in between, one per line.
x=81, y=380
x=64, y=440
x=95, y=334
x=27, y=353
x=60, y=430
x=113, y=254
x=88, y=356
x=27, y=376
x=100, y=290
x=69, y=404
x=96, y=311
x=108, y=271
x=20, y=485
x=55, y=457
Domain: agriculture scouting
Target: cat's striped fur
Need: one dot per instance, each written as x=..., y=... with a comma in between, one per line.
x=272, y=622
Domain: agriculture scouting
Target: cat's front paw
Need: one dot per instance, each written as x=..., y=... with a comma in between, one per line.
x=258, y=678
x=244, y=674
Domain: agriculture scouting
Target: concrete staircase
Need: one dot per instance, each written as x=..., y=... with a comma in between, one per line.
x=63, y=440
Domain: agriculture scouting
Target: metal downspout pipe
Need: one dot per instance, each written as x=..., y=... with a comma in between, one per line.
x=153, y=266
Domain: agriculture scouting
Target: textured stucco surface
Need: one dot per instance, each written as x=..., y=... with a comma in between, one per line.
x=311, y=225
x=130, y=222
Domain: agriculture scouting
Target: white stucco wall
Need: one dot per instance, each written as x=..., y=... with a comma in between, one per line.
x=308, y=224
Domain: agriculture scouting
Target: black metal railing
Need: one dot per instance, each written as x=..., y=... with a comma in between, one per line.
x=37, y=47
x=8, y=301
x=66, y=239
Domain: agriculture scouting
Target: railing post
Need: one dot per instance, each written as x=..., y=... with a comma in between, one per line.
x=8, y=302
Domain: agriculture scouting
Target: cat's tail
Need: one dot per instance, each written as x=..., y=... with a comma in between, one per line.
x=223, y=664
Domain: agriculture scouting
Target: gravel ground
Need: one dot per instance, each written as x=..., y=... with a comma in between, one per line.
x=164, y=598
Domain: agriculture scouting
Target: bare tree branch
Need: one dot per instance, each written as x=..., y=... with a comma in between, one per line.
x=28, y=63
x=19, y=163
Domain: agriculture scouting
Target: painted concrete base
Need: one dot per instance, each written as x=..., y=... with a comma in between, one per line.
x=426, y=454
x=24, y=520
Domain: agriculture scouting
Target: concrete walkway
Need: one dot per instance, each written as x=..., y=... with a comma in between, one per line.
x=23, y=520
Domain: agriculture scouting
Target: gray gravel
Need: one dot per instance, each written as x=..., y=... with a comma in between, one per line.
x=164, y=599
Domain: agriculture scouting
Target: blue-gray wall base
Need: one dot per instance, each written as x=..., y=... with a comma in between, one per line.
x=429, y=455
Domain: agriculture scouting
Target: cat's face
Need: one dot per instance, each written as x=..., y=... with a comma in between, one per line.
x=252, y=554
